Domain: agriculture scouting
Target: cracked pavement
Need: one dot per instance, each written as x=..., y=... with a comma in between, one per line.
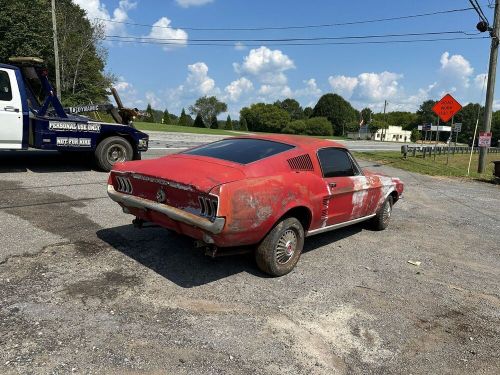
x=83, y=291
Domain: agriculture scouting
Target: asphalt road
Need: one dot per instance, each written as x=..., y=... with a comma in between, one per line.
x=162, y=141
x=82, y=291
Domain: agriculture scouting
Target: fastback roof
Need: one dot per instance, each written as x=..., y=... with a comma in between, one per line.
x=297, y=140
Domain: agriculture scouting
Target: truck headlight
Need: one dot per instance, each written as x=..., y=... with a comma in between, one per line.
x=143, y=144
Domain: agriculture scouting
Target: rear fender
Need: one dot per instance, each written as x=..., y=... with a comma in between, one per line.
x=253, y=206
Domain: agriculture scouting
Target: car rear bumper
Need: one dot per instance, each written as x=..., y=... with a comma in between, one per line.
x=126, y=200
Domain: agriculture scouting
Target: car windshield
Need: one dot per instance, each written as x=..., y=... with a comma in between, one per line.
x=240, y=150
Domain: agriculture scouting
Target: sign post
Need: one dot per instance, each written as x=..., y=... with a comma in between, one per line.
x=445, y=109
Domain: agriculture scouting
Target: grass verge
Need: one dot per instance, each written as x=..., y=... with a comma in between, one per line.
x=189, y=129
x=457, y=166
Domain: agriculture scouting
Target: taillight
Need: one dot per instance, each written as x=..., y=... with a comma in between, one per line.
x=123, y=185
x=208, y=206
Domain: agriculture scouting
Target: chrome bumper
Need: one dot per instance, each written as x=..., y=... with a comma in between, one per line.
x=173, y=213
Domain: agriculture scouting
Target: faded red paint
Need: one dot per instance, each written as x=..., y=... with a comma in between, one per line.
x=253, y=197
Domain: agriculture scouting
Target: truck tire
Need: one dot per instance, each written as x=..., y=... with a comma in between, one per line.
x=113, y=150
x=383, y=217
x=280, y=250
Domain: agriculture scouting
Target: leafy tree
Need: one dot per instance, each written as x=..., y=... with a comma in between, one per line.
x=425, y=115
x=337, y=110
x=198, y=122
x=184, y=119
x=214, y=123
x=166, y=117
x=318, y=126
x=149, y=114
x=229, y=123
x=468, y=116
x=208, y=107
x=27, y=31
x=366, y=115
x=308, y=111
x=243, y=124
x=265, y=117
x=295, y=127
x=292, y=107
x=415, y=135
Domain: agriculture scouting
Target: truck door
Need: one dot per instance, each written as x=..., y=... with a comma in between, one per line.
x=11, y=114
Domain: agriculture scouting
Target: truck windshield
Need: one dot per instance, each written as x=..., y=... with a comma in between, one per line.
x=240, y=150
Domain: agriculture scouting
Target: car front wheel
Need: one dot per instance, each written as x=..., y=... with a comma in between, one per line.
x=383, y=217
x=280, y=250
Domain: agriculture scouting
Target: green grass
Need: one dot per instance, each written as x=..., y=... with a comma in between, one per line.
x=457, y=166
x=180, y=129
x=189, y=129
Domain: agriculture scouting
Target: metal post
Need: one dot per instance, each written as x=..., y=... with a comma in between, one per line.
x=437, y=137
x=385, y=120
x=56, y=50
x=490, y=90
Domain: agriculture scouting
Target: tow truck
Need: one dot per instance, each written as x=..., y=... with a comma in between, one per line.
x=32, y=116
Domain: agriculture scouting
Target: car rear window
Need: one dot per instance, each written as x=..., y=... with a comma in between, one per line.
x=240, y=150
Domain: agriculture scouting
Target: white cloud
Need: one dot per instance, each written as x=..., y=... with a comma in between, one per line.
x=95, y=9
x=342, y=85
x=455, y=70
x=162, y=31
x=239, y=46
x=369, y=87
x=190, y=3
x=154, y=100
x=236, y=88
x=479, y=80
x=198, y=79
x=267, y=65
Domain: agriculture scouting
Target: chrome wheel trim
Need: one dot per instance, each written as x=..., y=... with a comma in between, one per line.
x=116, y=153
x=286, y=246
x=386, y=212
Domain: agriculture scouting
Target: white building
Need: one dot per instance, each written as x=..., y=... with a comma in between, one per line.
x=391, y=134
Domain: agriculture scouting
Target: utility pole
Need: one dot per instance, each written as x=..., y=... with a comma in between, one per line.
x=56, y=50
x=384, y=131
x=490, y=90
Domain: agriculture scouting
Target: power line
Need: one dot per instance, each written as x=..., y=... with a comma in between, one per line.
x=293, y=27
x=478, y=10
x=374, y=36
x=138, y=41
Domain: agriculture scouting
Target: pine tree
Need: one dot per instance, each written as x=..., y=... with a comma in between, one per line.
x=198, y=122
x=149, y=114
x=214, y=124
x=243, y=124
x=166, y=117
x=183, y=121
x=229, y=123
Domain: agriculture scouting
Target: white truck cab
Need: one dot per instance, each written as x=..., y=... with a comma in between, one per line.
x=11, y=115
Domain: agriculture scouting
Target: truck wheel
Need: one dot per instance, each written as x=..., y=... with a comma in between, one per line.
x=383, y=217
x=280, y=250
x=113, y=150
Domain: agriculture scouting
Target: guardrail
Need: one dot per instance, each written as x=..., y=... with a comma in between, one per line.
x=442, y=150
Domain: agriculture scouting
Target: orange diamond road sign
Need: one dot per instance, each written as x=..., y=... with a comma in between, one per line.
x=446, y=108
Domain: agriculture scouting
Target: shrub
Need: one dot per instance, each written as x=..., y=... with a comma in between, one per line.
x=318, y=126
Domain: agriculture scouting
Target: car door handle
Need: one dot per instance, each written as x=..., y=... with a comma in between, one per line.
x=11, y=109
x=332, y=184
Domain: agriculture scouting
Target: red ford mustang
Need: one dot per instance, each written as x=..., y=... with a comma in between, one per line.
x=269, y=192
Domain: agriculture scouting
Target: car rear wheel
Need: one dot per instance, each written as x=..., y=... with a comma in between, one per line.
x=280, y=250
x=383, y=217
x=113, y=150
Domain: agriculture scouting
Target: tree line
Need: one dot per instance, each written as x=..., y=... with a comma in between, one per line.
x=27, y=31
x=332, y=115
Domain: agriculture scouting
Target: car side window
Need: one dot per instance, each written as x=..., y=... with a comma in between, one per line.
x=5, y=89
x=336, y=162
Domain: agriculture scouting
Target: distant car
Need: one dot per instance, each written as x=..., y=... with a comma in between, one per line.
x=266, y=192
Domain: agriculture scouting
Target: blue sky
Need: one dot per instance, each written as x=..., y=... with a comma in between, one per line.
x=366, y=74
